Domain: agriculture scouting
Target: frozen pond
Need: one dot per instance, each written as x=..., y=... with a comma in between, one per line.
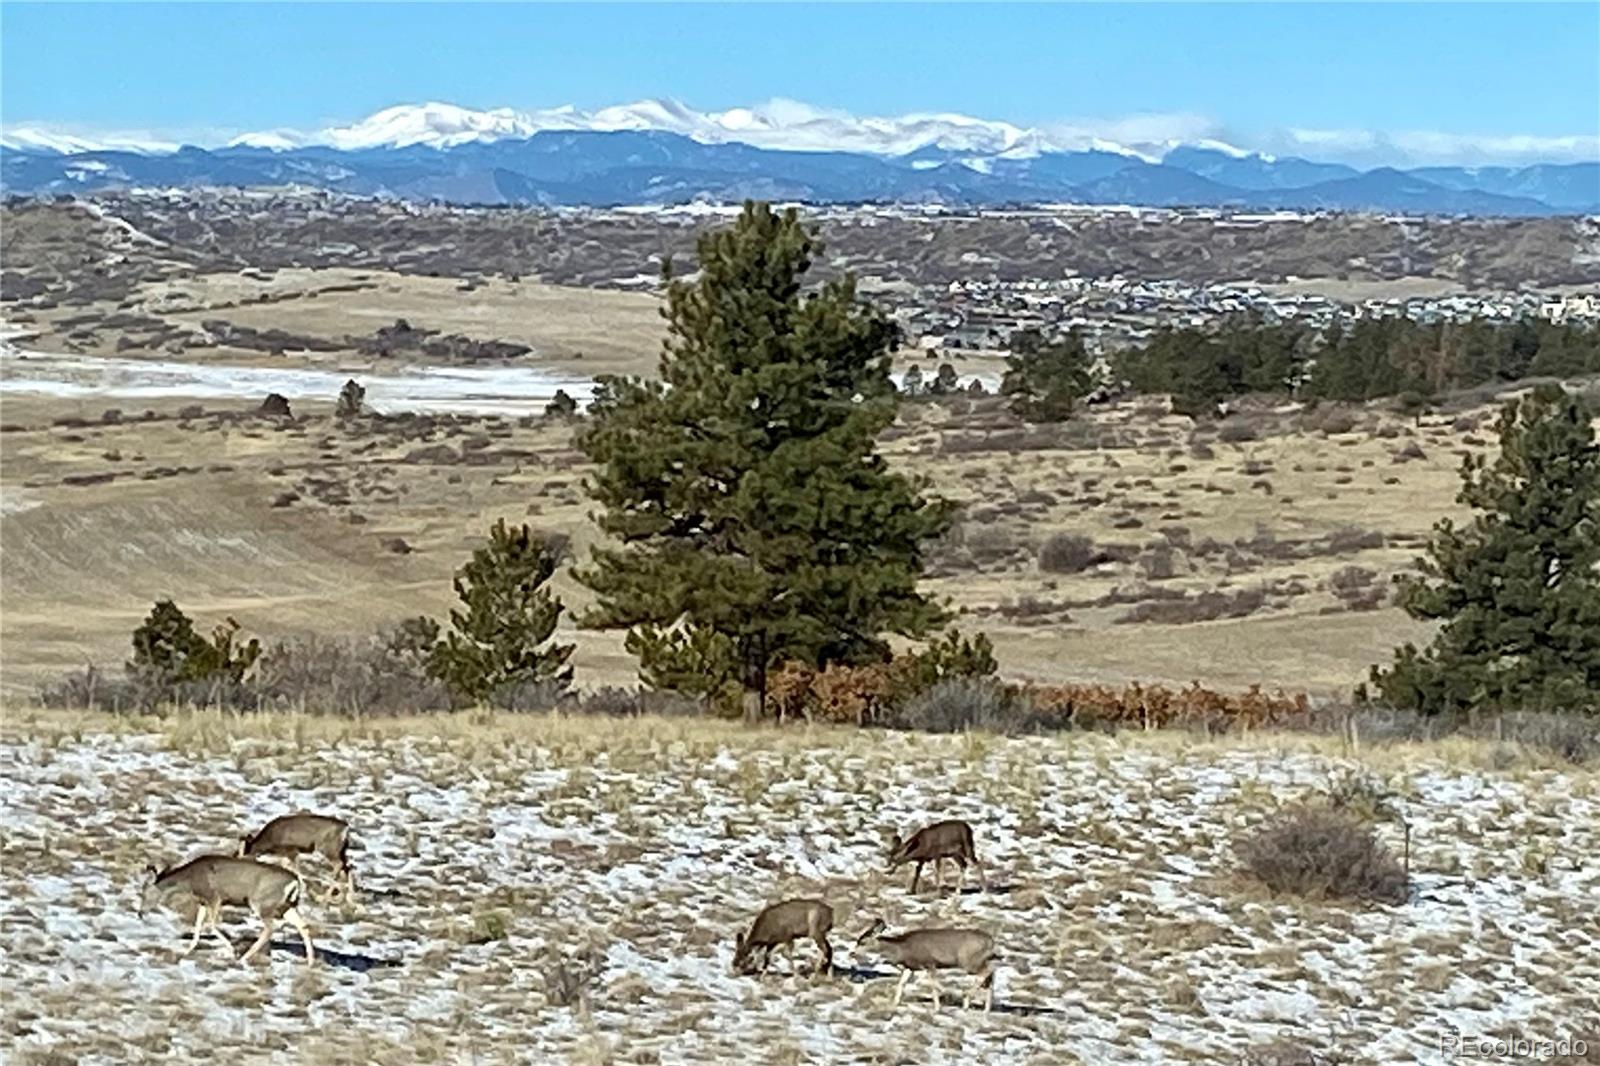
x=453, y=390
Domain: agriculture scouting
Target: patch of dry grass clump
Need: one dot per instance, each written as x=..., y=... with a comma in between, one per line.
x=1323, y=852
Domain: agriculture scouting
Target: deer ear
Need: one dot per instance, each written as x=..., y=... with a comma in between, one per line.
x=738, y=941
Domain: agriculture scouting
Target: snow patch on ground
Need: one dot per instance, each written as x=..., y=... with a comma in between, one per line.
x=1124, y=931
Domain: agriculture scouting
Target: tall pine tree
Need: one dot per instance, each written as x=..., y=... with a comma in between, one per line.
x=752, y=520
x=1518, y=590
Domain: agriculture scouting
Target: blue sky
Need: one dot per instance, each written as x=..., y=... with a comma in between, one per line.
x=192, y=70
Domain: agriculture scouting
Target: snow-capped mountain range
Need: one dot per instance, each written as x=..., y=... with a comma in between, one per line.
x=657, y=151
x=784, y=125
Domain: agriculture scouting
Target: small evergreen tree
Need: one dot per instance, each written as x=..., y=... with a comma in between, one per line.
x=167, y=651
x=1046, y=379
x=561, y=405
x=697, y=661
x=911, y=384
x=946, y=381
x=351, y=399
x=752, y=520
x=499, y=634
x=1518, y=590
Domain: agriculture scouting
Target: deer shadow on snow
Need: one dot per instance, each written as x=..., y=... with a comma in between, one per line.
x=354, y=962
x=859, y=975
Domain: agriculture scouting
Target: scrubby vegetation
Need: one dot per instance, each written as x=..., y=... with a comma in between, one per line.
x=168, y=654
x=1324, y=851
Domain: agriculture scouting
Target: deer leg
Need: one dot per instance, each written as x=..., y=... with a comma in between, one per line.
x=938, y=876
x=199, y=922
x=825, y=965
x=215, y=916
x=916, y=876
x=933, y=976
x=983, y=878
x=788, y=949
x=900, y=989
x=961, y=876
x=986, y=982
x=261, y=941
x=294, y=919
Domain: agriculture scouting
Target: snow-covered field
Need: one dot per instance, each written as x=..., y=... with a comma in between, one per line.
x=491, y=851
x=445, y=390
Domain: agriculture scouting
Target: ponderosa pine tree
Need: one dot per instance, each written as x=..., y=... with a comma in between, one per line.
x=500, y=633
x=1517, y=590
x=1045, y=379
x=752, y=519
x=946, y=382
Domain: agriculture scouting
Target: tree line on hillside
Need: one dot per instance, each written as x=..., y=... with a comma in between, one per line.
x=1364, y=359
x=755, y=532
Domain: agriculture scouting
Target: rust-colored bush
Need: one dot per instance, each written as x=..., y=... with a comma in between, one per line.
x=1159, y=707
x=870, y=695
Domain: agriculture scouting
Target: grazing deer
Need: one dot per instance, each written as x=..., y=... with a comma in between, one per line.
x=292, y=835
x=930, y=950
x=942, y=840
x=780, y=925
x=212, y=881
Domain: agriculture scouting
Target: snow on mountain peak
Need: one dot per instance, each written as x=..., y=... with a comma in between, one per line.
x=777, y=124
x=434, y=124
x=38, y=139
x=275, y=140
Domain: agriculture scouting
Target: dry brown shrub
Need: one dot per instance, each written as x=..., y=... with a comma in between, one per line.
x=1206, y=607
x=1069, y=553
x=1323, y=852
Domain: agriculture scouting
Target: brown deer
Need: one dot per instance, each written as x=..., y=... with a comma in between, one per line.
x=292, y=835
x=942, y=840
x=930, y=950
x=215, y=881
x=780, y=925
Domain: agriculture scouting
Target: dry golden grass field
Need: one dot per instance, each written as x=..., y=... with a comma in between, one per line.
x=1257, y=551
x=554, y=889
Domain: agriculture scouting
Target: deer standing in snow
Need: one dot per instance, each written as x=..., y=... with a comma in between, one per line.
x=780, y=925
x=930, y=950
x=292, y=835
x=215, y=881
x=943, y=840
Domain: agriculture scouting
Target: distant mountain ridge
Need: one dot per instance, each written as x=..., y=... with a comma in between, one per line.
x=664, y=153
